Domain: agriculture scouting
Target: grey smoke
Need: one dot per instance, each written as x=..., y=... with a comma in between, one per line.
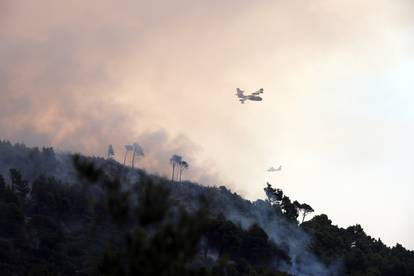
x=283, y=234
x=242, y=212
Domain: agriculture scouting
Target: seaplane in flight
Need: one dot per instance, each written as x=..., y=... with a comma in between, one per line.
x=252, y=97
x=272, y=169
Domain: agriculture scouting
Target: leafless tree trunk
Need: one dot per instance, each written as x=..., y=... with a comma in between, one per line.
x=126, y=153
x=172, y=177
x=133, y=159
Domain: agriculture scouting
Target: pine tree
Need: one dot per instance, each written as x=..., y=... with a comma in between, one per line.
x=19, y=186
x=2, y=184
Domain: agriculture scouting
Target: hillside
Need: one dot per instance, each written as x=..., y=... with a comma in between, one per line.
x=64, y=214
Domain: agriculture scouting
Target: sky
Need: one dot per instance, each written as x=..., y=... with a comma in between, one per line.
x=337, y=111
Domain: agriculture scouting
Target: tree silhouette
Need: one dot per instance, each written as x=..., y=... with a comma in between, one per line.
x=289, y=209
x=175, y=160
x=274, y=196
x=111, y=151
x=128, y=148
x=137, y=151
x=2, y=183
x=183, y=166
x=20, y=186
x=304, y=208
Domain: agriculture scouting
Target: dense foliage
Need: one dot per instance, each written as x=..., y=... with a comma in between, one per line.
x=94, y=221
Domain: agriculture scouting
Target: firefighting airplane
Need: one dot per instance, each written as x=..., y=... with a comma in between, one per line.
x=252, y=97
x=272, y=169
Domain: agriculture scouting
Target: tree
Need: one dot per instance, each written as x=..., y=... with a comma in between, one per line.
x=128, y=148
x=174, y=161
x=2, y=184
x=256, y=245
x=304, y=208
x=111, y=151
x=137, y=151
x=183, y=166
x=289, y=209
x=49, y=160
x=274, y=196
x=20, y=186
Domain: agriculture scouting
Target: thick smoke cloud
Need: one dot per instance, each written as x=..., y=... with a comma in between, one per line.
x=57, y=81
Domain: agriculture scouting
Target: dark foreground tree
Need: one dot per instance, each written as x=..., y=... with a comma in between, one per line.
x=2, y=184
x=18, y=184
x=303, y=208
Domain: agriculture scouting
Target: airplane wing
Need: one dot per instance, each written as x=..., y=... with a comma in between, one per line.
x=260, y=91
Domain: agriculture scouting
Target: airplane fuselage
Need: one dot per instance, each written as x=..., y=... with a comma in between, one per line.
x=254, y=98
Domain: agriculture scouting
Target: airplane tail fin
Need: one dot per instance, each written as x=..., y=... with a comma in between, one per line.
x=239, y=92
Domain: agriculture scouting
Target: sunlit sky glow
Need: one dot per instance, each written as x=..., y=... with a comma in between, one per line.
x=337, y=110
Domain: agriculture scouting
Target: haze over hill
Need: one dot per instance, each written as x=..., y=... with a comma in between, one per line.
x=338, y=93
x=65, y=214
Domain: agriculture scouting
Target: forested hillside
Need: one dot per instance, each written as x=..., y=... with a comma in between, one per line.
x=64, y=214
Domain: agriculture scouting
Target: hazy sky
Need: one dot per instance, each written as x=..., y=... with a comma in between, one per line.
x=337, y=111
